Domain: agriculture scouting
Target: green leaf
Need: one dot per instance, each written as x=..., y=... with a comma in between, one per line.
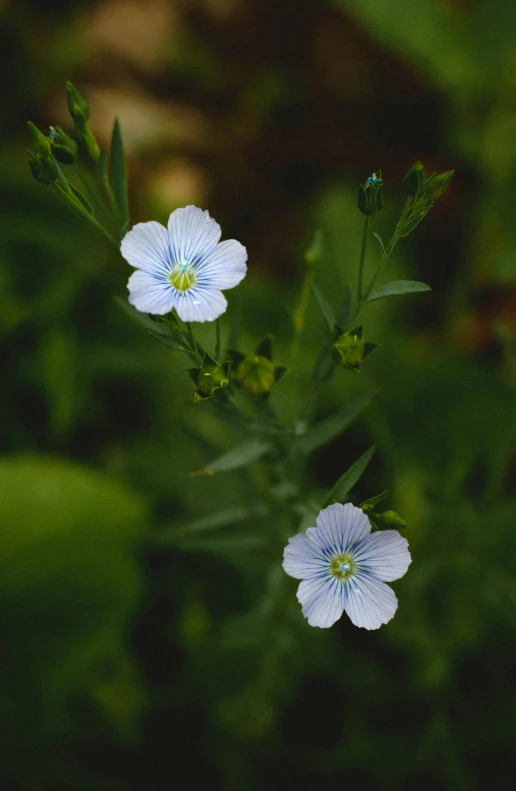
x=212, y=521
x=397, y=288
x=80, y=197
x=102, y=166
x=349, y=478
x=369, y=504
x=381, y=244
x=325, y=308
x=167, y=340
x=142, y=319
x=119, y=174
x=331, y=427
x=237, y=457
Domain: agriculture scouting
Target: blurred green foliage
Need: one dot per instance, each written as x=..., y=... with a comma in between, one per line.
x=148, y=634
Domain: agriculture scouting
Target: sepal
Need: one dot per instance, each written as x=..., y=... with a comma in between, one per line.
x=256, y=373
x=350, y=348
x=370, y=198
x=209, y=378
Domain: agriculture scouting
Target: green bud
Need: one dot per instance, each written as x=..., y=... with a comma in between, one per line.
x=350, y=348
x=43, y=169
x=392, y=519
x=80, y=112
x=415, y=180
x=41, y=143
x=64, y=147
x=370, y=194
x=210, y=378
x=77, y=104
x=256, y=374
x=436, y=185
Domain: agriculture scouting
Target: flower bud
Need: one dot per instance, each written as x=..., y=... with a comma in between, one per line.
x=41, y=143
x=392, y=519
x=436, y=185
x=43, y=169
x=415, y=180
x=63, y=146
x=256, y=373
x=210, y=378
x=77, y=104
x=350, y=348
x=370, y=194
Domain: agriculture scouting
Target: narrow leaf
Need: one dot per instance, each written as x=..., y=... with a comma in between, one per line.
x=325, y=308
x=331, y=427
x=102, y=166
x=142, y=318
x=349, y=478
x=381, y=244
x=119, y=174
x=212, y=521
x=397, y=288
x=239, y=456
x=80, y=197
x=370, y=503
x=167, y=340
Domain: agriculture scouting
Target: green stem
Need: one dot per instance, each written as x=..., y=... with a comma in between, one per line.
x=192, y=341
x=217, y=340
x=361, y=265
x=87, y=216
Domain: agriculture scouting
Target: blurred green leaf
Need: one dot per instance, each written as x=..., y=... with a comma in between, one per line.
x=331, y=427
x=326, y=310
x=237, y=457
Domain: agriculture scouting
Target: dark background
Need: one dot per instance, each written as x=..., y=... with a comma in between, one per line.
x=130, y=659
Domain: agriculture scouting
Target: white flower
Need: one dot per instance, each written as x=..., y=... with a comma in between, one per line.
x=345, y=567
x=183, y=266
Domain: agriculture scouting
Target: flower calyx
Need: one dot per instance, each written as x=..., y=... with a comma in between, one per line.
x=423, y=191
x=256, y=373
x=370, y=199
x=387, y=520
x=210, y=378
x=350, y=348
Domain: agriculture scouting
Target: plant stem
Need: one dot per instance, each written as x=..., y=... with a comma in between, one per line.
x=362, y=261
x=84, y=213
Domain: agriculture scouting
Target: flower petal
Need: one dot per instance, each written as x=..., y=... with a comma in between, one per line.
x=322, y=599
x=200, y=304
x=225, y=266
x=149, y=294
x=303, y=559
x=342, y=526
x=193, y=234
x=147, y=247
x=369, y=602
x=384, y=554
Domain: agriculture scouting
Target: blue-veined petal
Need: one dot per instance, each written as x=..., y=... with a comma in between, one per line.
x=302, y=559
x=384, y=554
x=342, y=526
x=149, y=294
x=322, y=600
x=224, y=266
x=147, y=247
x=193, y=234
x=368, y=601
x=200, y=304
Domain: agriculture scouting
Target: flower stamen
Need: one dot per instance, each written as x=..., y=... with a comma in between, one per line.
x=182, y=276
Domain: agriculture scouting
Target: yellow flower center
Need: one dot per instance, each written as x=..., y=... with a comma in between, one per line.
x=342, y=566
x=182, y=276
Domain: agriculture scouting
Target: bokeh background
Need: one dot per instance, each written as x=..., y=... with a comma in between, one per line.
x=137, y=655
